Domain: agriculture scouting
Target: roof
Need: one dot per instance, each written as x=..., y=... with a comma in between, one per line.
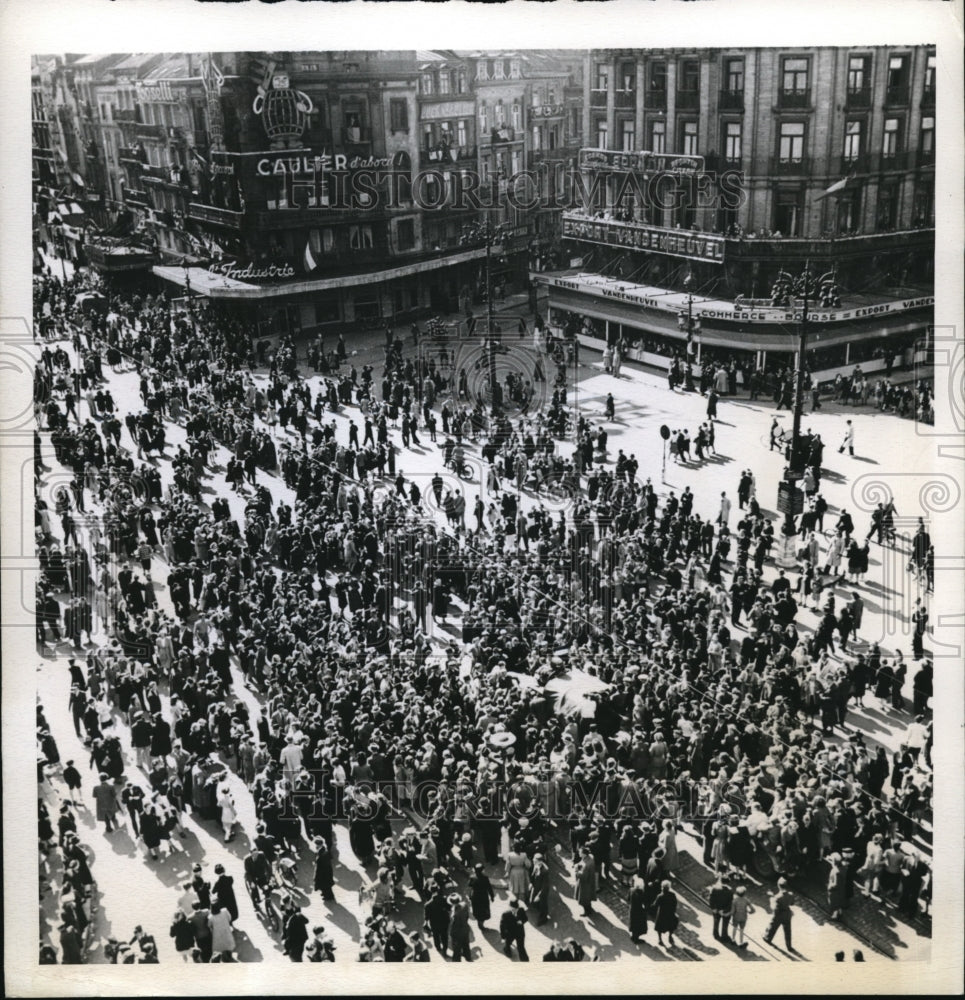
x=172, y=68
x=136, y=61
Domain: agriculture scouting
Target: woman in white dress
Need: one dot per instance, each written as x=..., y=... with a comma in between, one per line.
x=226, y=803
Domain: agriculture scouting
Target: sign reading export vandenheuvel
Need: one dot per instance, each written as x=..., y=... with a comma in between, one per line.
x=697, y=246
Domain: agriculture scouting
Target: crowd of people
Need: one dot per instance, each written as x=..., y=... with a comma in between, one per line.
x=329, y=598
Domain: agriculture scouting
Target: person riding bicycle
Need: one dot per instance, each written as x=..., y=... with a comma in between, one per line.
x=266, y=844
x=458, y=459
x=258, y=869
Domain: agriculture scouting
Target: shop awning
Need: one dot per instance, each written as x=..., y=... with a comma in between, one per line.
x=217, y=286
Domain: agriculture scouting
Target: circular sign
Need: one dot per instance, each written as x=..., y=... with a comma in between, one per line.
x=664, y=432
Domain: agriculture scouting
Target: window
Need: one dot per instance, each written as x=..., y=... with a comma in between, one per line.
x=427, y=88
x=517, y=116
x=849, y=211
x=398, y=114
x=690, y=75
x=627, y=136
x=930, y=74
x=734, y=74
x=628, y=76
x=787, y=212
x=483, y=118
x=462, y=132
x=896, y=71
x=857, y=73
x=444, y=81
x=360, y=237
x=853, y=131
x=405, y=233
x=891, y=143
x=794, y=76
x=498, y=73
x=461, y=84
x=602, y=76
x=601, y=134
x=792, y=142
x=897, y=80
x=689, y=139
x=732, y=142
x=887, y=209
x=537, y=138
x=658, y=76
x=517, y=162
x=658, y=137
x=515, y=69
x=926, y=144
x=321, y=240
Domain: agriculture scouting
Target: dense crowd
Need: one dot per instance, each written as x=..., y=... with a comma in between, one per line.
x=708, y=705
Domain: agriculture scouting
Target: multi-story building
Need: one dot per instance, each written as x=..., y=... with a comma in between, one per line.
x=309, y=188
x=709, y=172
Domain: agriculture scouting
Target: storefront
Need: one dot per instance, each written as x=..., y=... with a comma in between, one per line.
x=652, y=324
x=285, y=304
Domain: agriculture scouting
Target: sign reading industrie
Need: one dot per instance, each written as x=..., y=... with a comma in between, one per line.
x=643, y=162
x=696, y=246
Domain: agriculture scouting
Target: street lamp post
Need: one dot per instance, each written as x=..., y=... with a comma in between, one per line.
x=691, y=325
x=489, y=235
x=806, y=288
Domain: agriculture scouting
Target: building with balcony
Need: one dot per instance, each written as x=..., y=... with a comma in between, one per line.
x=310, y=193
x=707, y=172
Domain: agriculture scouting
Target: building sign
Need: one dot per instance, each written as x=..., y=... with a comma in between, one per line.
x=675, y=243
x=270, y=272
x=547, y=110
x=729, y=312
x=641, y=162
x=284, y=111
x=310, y=164
x=161, y=93
x=447, y=109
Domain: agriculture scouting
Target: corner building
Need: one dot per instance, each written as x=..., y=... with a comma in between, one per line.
x=708, y=172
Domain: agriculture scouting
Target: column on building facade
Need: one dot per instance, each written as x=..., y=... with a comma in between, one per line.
x=611, y=104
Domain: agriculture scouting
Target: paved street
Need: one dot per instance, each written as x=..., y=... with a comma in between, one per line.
x=136, y=890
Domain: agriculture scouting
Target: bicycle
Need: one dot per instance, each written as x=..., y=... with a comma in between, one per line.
x=262, y=902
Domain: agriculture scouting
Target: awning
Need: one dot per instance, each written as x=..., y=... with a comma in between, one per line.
x=217, y=286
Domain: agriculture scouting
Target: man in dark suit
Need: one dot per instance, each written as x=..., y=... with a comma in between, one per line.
x=512, y=929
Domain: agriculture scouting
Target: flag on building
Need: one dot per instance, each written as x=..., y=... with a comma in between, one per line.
x=308, y=259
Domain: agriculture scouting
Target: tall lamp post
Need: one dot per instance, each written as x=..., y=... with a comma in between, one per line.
x=489, y=235
x=787, y=289
x=687, y=321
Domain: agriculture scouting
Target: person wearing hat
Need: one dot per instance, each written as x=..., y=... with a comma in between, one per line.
x=437, y=917
x=512, y=930
x=73, y=781
x=637, y=903
x=105, y=799
x=781, y=914
x=585, y=881
x=666, y=919
x=721, y=899
x=294, y=932
x=459, y=928
x=481, y=895
x=539, y=888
